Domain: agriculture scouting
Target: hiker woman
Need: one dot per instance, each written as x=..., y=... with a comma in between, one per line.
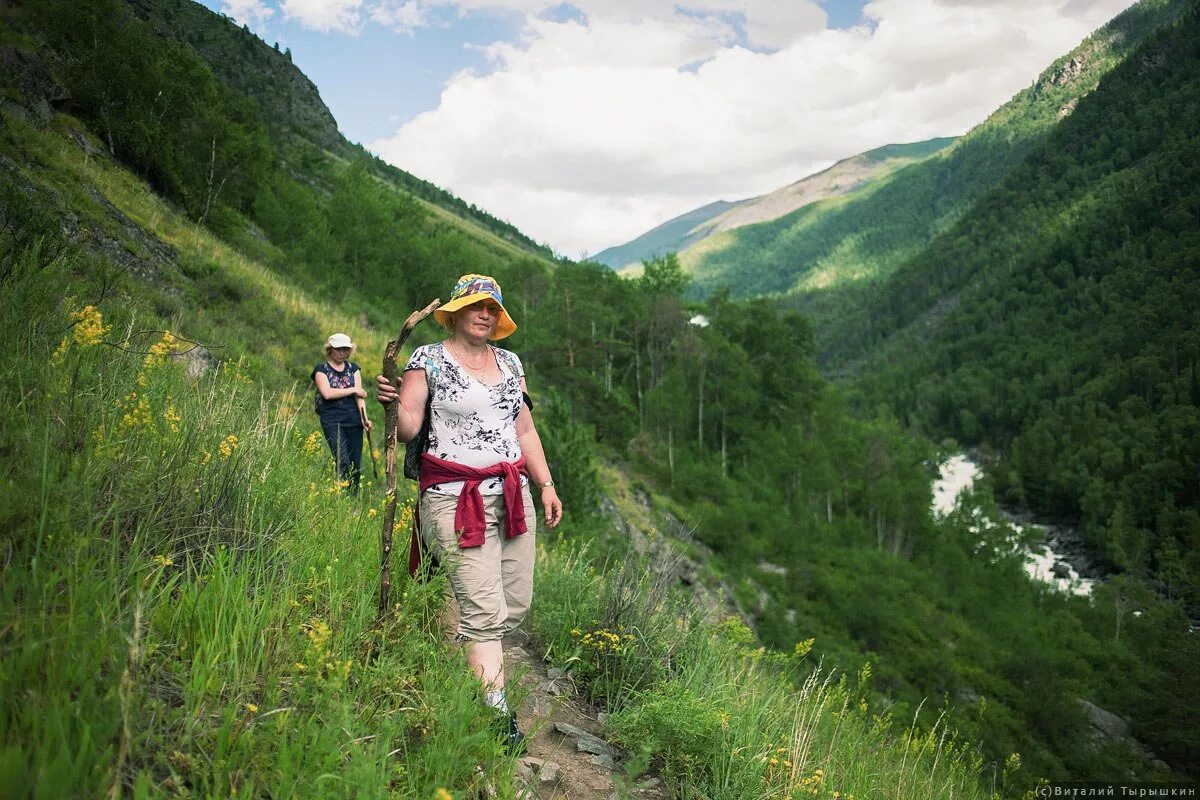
x=341, y=407
x=476, y=509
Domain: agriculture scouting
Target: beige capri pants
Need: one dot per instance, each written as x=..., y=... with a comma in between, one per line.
x=492, y=583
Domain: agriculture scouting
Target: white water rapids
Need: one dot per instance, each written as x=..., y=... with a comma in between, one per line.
x=956, y=475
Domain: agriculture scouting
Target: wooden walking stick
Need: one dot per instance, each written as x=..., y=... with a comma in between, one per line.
x=390, y=441
x=370, y=445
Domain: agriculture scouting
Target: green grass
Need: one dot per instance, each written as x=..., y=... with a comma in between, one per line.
x=698, y=700
x=189, y=598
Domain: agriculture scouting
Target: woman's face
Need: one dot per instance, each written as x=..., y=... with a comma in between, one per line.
x=340, y=353
x=478, y=320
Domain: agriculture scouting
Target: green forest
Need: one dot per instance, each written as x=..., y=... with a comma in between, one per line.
x=179, y=563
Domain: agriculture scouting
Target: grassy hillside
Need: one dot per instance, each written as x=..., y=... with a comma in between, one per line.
x=134, y=513
x=866, y=235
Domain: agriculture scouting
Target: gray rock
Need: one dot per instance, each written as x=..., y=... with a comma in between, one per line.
x=595, y=746
x=196, y=360
x=586, y=742
x=569, y=729
x=606, y=762
x=1104, y=724
x=550, y=772
x=554, y=673
x=532, y=762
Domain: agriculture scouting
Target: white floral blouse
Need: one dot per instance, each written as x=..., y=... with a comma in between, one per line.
x=472, y=423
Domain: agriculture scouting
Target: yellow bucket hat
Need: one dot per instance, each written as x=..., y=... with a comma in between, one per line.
x=471, y=289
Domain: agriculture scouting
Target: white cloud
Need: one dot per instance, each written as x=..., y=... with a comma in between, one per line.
x=341, y=16
x=585, y=135
x=403, y=16
x=254, y=13
x=773, y=24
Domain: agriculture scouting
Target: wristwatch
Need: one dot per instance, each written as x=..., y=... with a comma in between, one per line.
x=546, y=485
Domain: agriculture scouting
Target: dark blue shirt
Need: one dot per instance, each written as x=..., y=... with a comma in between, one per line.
x=344, y=410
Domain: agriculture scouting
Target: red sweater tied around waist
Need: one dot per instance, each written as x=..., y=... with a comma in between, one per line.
x=468, y=516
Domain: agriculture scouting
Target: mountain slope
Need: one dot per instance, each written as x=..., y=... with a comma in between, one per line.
x=847, y=175
x=669, y=237
x=1056, y=323
x=301, y=125
x=869, y=234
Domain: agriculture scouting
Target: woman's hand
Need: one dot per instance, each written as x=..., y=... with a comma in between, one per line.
x=551, y=506
x=367, y=425
x=360, y=392
x=384, y=391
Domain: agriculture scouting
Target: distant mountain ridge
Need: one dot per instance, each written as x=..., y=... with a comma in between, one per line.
x=868, y=233
x=847, y=175
x=668, y=237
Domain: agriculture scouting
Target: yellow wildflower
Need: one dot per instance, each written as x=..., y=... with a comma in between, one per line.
x=89, y=327
x=312, y=443
x=253, y=709
x=60, y=351
x=371, y=513
x=163, y=561
x=137, y=413
x=172, y=416
x=160, y=351
x=318, y=632
x=228, y=445
x=442, y=794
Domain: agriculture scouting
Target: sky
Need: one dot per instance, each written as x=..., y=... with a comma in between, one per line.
x=586, y=124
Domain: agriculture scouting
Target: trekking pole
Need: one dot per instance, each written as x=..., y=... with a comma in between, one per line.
x=370, y=445
x=390, y=435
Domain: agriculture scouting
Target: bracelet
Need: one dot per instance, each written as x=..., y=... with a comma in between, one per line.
x=546, y=485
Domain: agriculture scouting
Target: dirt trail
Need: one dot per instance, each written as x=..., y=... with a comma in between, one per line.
x=566, y=755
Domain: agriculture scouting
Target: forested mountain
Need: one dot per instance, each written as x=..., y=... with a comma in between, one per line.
x=297, y=121
x=1057, y=323
x=703, y=224
x=188, y=599
x=865, y=235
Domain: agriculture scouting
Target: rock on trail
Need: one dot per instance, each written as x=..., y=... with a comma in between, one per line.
x=566, y=755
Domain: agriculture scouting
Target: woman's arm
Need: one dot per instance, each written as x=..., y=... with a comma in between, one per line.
x=414, y=391
x=535, y=462
x=329, y=393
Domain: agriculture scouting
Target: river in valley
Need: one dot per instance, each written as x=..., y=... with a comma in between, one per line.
x=1053, y=554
